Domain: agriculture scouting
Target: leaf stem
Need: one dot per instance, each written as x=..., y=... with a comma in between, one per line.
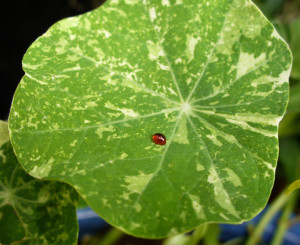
x=212, y=235
x=111, y=237
x=198, y=234
x=235, y=241
x=272, y=210
x=284, y=220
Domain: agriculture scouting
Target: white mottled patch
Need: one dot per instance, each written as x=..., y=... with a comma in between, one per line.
x=262, y=80
x=214, y=139
x=136, y=184
x=200, y=167
x=173, y=232
x=129, y=84
x=118, y=9
x=214, y=102
x=261, y=161
x=165, y=3
x=223, y=216
x=129, y=112
x=34, y=159
x=131, y=2
x=246, y=126
x=191, y=43
x=101, y=129
x=164, y=67
x=178, y=60
x=125, y=111
x=73, y=143
x=106, y=34
x=87, y=24
x=41, y=171
x=181, y=135
x=106, y=203
x=123, y=155
x=37, y=80
x=253, y=117
x=75, y=68
x=276, y=35
x=188, y=81
x=284, y=76
x=233, y=177
x=248, y=62
x=138, y=207
x=134, y=225
x=152, y=14
x=91, y=104
x=154, y=49
x=32, y=67
x=197, y=207
x=125, y=195
x=172, y=91
x=221, y=195
x=4, y=135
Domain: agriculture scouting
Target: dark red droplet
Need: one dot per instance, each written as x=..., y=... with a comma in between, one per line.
x=159, y=139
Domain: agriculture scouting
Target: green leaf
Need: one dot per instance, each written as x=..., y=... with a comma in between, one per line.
x=212, y=76
x=33, y=211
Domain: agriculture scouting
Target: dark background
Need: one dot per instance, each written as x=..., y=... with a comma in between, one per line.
x=21, y=22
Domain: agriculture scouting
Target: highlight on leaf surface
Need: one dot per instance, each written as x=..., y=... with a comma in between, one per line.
x=212, y=76
x=33, y=211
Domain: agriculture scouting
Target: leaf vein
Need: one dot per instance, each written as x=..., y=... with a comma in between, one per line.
x=99, y=125
x=212, y=165
x=212, y=51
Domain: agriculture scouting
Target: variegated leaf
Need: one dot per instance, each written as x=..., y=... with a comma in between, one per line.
x=33, y=211
x=211, y=76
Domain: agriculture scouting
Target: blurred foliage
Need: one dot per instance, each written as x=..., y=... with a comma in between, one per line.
x=295, y=46
x=289, y=156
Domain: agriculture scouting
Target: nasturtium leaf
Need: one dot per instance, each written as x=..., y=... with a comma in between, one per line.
x=211, y=76
x=33, y=211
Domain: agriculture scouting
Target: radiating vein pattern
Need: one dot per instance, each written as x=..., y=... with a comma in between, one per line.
x=210, y=75
x=33, y=211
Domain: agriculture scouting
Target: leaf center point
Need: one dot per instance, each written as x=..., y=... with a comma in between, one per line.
x=186, y=107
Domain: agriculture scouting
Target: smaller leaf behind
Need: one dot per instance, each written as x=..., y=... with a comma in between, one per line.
x=33, y=211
